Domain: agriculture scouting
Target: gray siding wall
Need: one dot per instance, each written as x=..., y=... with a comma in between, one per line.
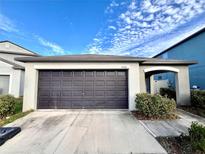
x=192, y=49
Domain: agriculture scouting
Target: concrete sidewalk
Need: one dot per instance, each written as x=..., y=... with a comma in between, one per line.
x=81, y=132
x=172, y=127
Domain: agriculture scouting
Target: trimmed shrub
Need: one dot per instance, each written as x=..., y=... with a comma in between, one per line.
x=197, y=136
x=155, y=105
x=18, y=105
x=167, y=92
x=198, y=98
x=7, y=105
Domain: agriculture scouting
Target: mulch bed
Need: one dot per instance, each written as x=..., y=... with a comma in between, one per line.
x=194, y=110
x=140, y=116
x=177, y=145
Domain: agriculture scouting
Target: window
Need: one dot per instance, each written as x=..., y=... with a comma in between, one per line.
x=4, y=84
x=159, y=77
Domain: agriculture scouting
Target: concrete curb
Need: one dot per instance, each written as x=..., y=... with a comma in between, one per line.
x=148, y=130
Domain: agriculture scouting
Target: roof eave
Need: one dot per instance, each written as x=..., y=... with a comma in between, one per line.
x=27, y=61
x=169, y=63
x=18, y=68
x=180, y=42
x=34, y=53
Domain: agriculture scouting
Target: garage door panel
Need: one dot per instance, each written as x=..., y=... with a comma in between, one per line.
x=89, y=74
x=88, y=83
x=121, y=74
x=44, y=103
x=55, y=93
x=83, y=89
x=111, y=73
x=100, y=88
x=55, y=83
x=44, y=74
x=77, y=93
x=65, y=93
x=122, y=83
x=44, y=93
x=77, y=82
x=88, y=93
x=78, y=73
x=66, y=84
x=110, y=83
x=77, y=103
x=116, y=88
x=116, y=93
x=100, y=73
x=44, y=80
x=56, y=74
x=66, y=74
x=64, y=103
x=44, y=87
x=100, y=93
x=99, y=83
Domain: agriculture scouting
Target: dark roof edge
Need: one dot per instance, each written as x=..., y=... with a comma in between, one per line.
x=180, y=62
x=89, y=60
x=15, y=66
x=81, y=58
x=19, y=46
x=180, y=42
x=141, y=61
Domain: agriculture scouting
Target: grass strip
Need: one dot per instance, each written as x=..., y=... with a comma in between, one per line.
x=14, y=117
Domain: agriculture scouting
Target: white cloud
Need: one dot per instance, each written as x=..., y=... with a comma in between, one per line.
x=53, y=46
x=94, y=50
x=139, y=22
x=95, y=39
x=7, y=24
x=133, y=5
x=112, y=27
x=9, y=27
x=112, y=5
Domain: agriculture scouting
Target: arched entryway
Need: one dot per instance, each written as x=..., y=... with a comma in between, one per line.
x=181, y=81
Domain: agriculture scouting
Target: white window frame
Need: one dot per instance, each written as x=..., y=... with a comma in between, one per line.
x=10, y=80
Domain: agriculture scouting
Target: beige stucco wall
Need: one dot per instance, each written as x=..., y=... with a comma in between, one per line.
x=183, y=86
x=10, y=57
x=136, y=79
x=31, y=78
x=16, y=76
x=182, y=81
x=15, y=81
x=7, y=46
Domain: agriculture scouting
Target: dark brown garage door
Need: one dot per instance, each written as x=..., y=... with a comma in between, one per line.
x=83, y=89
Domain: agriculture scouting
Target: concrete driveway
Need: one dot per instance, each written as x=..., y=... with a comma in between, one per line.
x=81, y=132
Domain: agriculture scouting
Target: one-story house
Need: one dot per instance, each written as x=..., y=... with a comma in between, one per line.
x=192, y=47
x=12, y=71
x=96, y=81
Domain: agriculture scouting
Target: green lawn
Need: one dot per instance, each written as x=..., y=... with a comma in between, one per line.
x=14, y=117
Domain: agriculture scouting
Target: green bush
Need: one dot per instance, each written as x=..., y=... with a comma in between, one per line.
x=154, y=105
x=18, y=105
x=167, y=92
x=197, y=136
x=198, y=98
x=7, y=105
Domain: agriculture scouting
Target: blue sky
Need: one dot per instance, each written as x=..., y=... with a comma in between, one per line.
x=132, y=27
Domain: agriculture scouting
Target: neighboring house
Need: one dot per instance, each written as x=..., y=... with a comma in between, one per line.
x=12, y=71
x=95, y=81
x=190, y=48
